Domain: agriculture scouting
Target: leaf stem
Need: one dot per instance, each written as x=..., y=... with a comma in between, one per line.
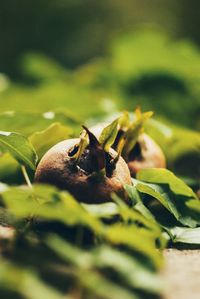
x=26, y=177
x=28, y=182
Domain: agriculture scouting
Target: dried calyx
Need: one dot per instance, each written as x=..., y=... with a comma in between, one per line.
x=93, y=156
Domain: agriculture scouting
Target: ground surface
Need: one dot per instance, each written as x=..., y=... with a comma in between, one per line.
x=182, y=274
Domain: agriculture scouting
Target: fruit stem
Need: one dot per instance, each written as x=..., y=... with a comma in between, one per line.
x=28, y=182
x=26, y=177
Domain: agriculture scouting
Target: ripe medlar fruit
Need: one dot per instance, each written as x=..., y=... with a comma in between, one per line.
x=87, y=171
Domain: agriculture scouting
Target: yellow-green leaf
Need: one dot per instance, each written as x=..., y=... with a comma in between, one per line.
x=108, y=135
x=19, y=147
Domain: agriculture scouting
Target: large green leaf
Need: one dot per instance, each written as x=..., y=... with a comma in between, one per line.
x=138, y=239
x=177, y=205
x=10, y=169
x=185, y=235
x=132, y=271
x=160, y=194
x=18, y=280
x=135, y=214
x=164, y=176
x=138, y=204
x=28, y=123
x=44, y=140
x=46, y=202
x=90, y=268
x=19, y=147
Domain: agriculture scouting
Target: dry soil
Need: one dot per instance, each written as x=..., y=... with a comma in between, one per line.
x=182, y=274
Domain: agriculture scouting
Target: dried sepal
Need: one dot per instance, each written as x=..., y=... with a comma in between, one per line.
x=97, y=154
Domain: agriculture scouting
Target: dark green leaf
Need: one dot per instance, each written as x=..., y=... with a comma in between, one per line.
x=176, y=204
x=138, y=204
x=19, y=147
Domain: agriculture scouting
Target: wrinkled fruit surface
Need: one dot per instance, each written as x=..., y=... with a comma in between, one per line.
x=149, y=155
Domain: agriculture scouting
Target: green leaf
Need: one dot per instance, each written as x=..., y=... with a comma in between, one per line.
x=124, y=120
x=44, y=140
x=158, y=193
x=138, y=204
x=19, y=147
x=27, y=123
x=22, y=280
x=104, y=288
x=104, y=210
x=9, y=169
x=135, y=129
x=134, y=215
x=194, y=205
x=132, y=271
x=109, y=135
x=185, y=235
x=47, y=202
x=138, y=239
x=176, y=204
x=164, y=176
x=129, y=268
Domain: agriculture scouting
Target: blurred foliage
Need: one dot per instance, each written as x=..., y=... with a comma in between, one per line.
x=181, y=147
x=159, y=74
x=163, y=76
x=71, y=251
x=72, y=31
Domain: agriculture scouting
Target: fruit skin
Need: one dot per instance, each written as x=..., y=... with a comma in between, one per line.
x=150, y=154
x=59, y=169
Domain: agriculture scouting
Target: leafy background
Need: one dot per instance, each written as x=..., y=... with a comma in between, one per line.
x=67, y=63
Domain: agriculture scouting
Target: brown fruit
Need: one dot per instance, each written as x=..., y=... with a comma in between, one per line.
x=145, y=154
x=58, y=167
